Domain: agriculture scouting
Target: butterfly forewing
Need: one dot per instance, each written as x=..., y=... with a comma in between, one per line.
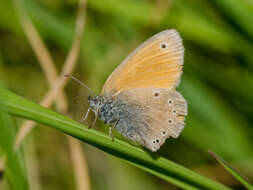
x=156, y=63
x=154, y=113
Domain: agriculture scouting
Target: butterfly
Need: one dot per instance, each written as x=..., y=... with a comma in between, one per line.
x=139, y=99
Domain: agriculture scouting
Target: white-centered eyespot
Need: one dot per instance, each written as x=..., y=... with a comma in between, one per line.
x=156, y=141
x=164, y=46
x=170, y=102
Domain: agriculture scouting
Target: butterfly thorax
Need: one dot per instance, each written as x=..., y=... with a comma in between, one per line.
x=106, y=109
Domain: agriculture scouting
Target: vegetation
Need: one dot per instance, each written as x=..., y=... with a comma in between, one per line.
x=217, y=84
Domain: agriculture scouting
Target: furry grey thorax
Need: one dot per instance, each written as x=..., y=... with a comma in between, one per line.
x=106, y=109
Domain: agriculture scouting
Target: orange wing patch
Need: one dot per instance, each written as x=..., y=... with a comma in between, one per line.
x=156, y=63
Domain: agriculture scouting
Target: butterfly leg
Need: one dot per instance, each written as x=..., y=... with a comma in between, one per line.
x=111, y=129
x=86, y=115
x=95, y=120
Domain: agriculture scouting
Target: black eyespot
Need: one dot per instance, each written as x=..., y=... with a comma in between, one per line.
x=157, y=94
x=170, y=120
x=157, y=140
x=164, y=45
x=174, y=111
x=164, y=132
x=154, y=142
x=169, y=102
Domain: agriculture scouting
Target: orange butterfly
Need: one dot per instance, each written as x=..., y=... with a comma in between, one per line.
x=139, y=99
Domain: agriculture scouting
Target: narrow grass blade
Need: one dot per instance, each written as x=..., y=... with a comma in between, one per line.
x=151, y=162
x=14, y=169
x=231, y=170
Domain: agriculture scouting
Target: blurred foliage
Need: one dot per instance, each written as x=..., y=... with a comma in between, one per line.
x=217, y=80
x=15, y=169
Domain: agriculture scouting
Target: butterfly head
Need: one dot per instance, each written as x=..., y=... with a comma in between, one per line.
x=95, y=102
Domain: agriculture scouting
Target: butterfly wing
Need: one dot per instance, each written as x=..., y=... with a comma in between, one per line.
x=156, y=63
x=151, y=115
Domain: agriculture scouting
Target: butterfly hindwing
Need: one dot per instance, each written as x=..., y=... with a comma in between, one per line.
x=151, y=115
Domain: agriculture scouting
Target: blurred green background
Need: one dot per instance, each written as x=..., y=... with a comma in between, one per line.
x=217, y=83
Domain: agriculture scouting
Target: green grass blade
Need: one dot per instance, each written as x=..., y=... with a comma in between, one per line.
x=231, y=170
x=159, y=166
x=14, y=171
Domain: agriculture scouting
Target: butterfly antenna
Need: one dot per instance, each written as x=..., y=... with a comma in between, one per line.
x=80, y=82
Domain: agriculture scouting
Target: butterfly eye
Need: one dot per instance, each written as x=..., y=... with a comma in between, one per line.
x=163, y=46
